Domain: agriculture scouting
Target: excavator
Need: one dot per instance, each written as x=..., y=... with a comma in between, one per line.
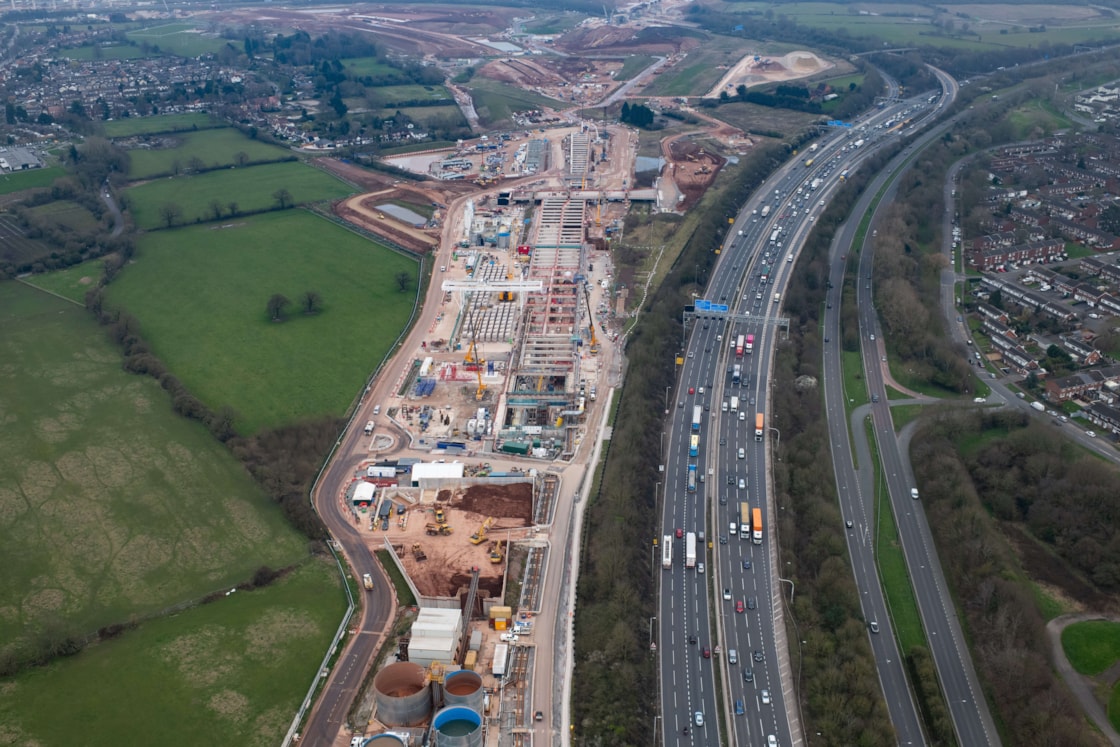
x=590, y=322
x=496, y=555
x=480, y=536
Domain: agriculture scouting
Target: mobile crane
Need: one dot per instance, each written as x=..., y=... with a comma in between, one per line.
x=472, y=358
x=590, y=321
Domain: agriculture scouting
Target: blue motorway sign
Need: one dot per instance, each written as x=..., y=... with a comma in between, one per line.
x=702, y=305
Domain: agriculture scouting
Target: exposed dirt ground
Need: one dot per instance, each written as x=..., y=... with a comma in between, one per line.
x=755, y=70
x=694, y=168
x=450, y=558
x=655, y=40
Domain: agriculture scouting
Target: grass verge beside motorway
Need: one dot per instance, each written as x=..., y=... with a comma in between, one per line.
x=201, y=293
x=231, y=672
x=1092, y=646
x=113, y=506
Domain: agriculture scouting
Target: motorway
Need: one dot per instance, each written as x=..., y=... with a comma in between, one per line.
x=691, y=607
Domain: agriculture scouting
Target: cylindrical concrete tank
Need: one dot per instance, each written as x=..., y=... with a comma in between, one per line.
x=385, y=740
x=457, y=726
x=403, y=696
x=463, y=688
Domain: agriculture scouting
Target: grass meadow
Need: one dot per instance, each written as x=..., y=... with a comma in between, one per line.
x=215, y=148
x=1092, y=646
x=495, y=101
x=179, y=38
x=71, y=283
x=103, y=52
x=200, y=294
x=251, y=189
x=112, y=505
x=69, y=215
x=160, y=123
x=20, y=180
x=232, y=672
x=425, y=115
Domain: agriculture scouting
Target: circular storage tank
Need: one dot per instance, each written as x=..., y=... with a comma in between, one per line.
x=457, y=726
x=403, y=695
x=385, y=740
x=464, y=688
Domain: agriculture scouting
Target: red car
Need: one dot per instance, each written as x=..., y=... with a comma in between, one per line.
x=680, y=532
x=692, y=390
x=707, y=652
x=739, y=606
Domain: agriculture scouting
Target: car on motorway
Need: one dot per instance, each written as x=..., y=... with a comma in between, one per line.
x=727, y=594
x=771, y=740
x=874, y=397
x=872, y=337
x=730, y=479
x=848, y=523
x=738, y=708
x=701, y=390
x=746, y=564
x=692, y=390
x=699, y=718
x=723, y=539
x=706, y=652
x=874, y=626
x=723, y=500
x=748, y=675
x=742, y=453
x=700, y=568
x=914, y=493
x=1091, y=434
x=691, y=354
x=538, y=716
x=765, y=697
x=723, y=441
x=692, y=640
x=742, y=484
x=743, y=415
x=739, y=606
x=752, y=603
x=758, y=655
x=680, y=532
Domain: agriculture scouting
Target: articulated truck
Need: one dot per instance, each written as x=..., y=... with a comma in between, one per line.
x=690, y=550
x=666, y=552
x=744, y=520
x=758, y=426
x=756, y=526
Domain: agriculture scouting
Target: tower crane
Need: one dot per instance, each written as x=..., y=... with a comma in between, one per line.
x=590, y=321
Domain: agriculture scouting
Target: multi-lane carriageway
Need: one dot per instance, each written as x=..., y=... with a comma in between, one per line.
x=691, y=607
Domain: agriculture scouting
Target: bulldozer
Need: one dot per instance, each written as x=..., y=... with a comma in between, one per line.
x=418, y=552
x=480, y=535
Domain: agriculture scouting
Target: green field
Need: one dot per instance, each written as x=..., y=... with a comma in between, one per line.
x=214, y=148
x=252, y=190
x=545, y=25
x=68, y=215
x=232, y=672
x=160, y=123
x=101, y=52
x=703, y=67
x=182, y=39
x=759, y=119
x=424, y=115
x=1037, y=119
x=29, y=179
x=71, y=283
x=391, y=95
x=495, y=101
x=633, y=65
x=112, y=505
x=1092, y=646
x=368, y=66
x=200, y=294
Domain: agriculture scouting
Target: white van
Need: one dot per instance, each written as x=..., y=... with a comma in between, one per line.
x=777, y=297
x=725, y=407
x=732, y=656
x=377, y=409
x=733, y=529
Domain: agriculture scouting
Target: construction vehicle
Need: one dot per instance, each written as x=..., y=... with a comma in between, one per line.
x=590, y=322
x=480, y=535
x=418, y=552
x=472, y=359
x=437, y=529
x=496, y=555
x=441, y=518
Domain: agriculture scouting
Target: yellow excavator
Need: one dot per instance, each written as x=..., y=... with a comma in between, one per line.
x=496, y=554
x=480, y=536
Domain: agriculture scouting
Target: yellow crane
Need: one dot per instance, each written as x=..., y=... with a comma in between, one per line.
x=473, y=358
x=590, y=321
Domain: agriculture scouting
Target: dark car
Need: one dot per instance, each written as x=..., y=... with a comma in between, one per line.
x=730, y=480
x=692, y=639
x=746, y=565
x=748, y=675
x=758, y=656
x=539, y=716
x=752, y=603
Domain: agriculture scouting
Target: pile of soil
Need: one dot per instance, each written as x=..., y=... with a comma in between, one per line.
x=500, y=501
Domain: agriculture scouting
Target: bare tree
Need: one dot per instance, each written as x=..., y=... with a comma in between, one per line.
x=403, y=279
x=233, y=208
x=196, y=164
x=283, y=198
x=276, y=305
x=170, y=212
x=216, y=209
x=241, y=158
x=311, y=301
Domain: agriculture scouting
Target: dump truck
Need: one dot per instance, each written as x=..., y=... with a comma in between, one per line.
x=367, y=581
x=437, y=529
